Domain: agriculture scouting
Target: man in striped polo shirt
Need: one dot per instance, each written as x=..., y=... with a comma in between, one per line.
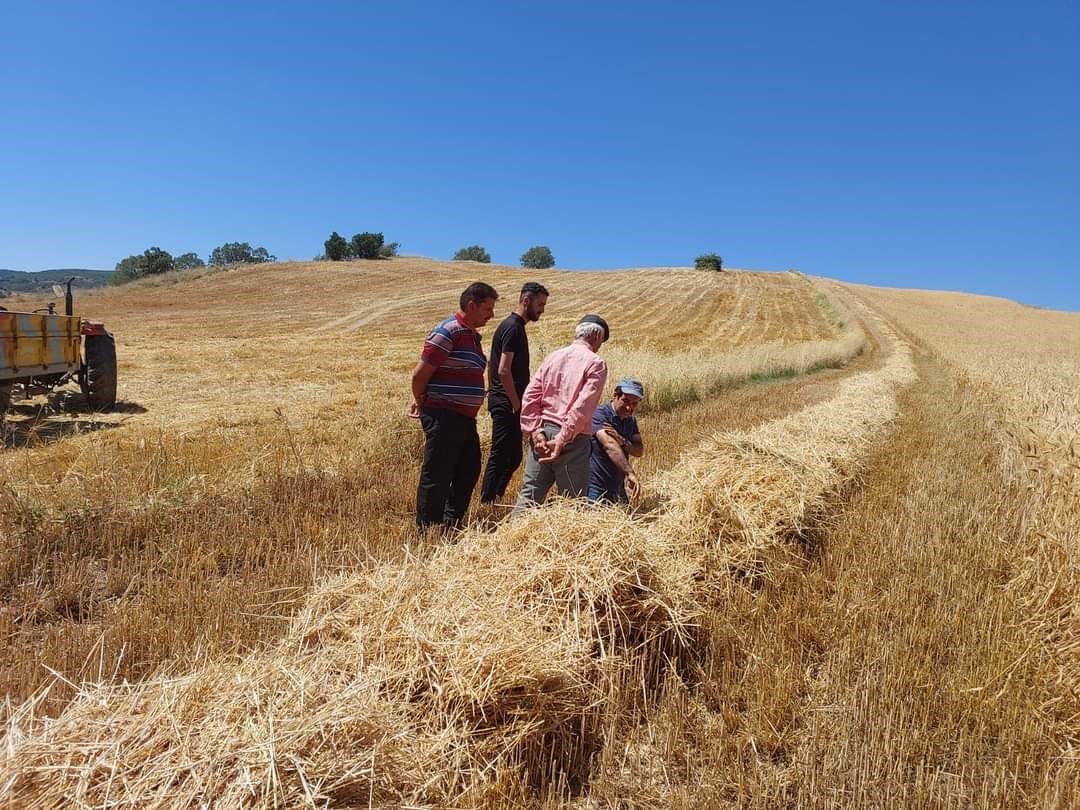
x=448, y=390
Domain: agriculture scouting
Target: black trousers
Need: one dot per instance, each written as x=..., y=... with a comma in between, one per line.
x=450, y=469
x=506, y=453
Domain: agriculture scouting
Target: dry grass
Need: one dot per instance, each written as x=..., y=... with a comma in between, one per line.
x=1023, y=365
x=509, y=659
x=273, y=449
x=880, y=662
x=811, y=610
x=480, y=672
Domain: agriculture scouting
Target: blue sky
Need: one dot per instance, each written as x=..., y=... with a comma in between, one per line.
x=904, y=144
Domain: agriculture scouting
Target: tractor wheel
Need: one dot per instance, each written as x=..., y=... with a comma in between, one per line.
x=99, y=376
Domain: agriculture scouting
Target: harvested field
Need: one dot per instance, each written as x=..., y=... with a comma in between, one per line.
x=263, y=443
x=784, y=621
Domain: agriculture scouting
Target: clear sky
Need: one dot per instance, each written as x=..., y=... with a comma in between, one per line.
x=904, y=144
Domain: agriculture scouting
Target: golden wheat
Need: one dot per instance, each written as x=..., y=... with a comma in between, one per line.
x=502, y=655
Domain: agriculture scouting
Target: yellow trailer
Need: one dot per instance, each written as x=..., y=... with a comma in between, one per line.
x=42, y=349
x=34, y=345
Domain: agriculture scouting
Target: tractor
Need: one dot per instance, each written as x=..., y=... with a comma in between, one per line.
x=41, y=350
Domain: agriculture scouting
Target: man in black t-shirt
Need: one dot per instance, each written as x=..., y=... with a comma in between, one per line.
x=508, y=375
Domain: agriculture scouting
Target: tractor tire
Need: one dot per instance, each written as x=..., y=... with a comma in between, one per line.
x=99, y=376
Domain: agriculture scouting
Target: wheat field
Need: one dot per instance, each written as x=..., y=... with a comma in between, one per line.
x=851, y=582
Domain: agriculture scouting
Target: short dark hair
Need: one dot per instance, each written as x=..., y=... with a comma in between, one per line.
x=477, y=291
x=532, y=288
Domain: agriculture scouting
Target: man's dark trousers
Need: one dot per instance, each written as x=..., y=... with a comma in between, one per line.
x=450, y=469
x=506, y=452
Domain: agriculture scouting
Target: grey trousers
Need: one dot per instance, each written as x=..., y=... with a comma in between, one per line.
x=570, y=472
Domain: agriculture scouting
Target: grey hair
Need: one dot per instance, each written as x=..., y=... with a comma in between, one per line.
x=588, y=331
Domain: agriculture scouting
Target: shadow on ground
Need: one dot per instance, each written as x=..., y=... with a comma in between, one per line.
x=31, y=423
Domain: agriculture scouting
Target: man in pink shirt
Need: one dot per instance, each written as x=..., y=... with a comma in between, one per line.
x=556, y=415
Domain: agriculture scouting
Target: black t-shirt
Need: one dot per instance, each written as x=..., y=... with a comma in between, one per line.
x=509, y=337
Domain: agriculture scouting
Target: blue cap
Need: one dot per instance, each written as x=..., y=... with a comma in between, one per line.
x=628, y=385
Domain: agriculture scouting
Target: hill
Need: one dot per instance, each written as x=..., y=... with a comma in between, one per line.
x=15, y=281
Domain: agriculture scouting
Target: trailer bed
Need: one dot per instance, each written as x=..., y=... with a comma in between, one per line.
x=38, y=345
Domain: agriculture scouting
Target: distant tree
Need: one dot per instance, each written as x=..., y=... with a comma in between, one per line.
x=188, y=261
x=538, y=257
x=473, y=253
x=389, y=250
x=157, y=261
x=150, y=262
x=366, y=245
x=709, y=261
x=337, y=248
x=127, y=270
x=239, y=253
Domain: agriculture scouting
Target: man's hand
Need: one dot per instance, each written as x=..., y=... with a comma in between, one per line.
x=554, y=449
x=633, y=487
x=540, y=443
x=414, y=410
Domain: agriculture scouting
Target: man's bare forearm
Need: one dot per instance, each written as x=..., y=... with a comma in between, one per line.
x=615, y=452
x=421, y=376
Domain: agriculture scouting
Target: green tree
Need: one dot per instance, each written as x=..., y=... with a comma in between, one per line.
x=473, y=253
x=709, y=261
x=239, y=253
x=336, y=247
x=157, y=261
x=366, y=245
x=188, y=261
x=150, y=262
x=127, y=270
x=389, y=250
x=538, y=257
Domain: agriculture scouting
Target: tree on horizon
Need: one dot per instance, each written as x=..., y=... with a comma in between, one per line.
x=538, y=257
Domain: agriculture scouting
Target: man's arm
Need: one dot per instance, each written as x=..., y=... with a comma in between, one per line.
x=532, y=412
x=532, y=406
x=508, y=381
x=615, y=452
x=421, y=376
x=634, y=447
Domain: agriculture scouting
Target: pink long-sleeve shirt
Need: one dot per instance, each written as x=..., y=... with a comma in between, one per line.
x=565, y=390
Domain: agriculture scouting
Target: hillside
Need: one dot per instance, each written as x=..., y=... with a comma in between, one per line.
x=852, y=579
x=16, y=281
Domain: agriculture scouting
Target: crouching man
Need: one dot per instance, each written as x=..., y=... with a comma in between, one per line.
x=556, y=416
x=615, y=439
